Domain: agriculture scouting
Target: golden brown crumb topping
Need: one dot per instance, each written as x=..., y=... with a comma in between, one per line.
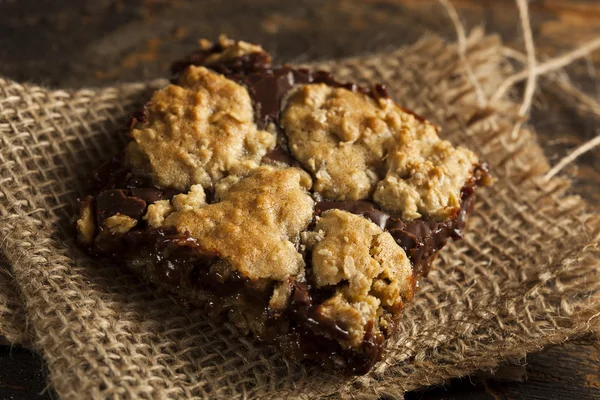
x=231, y=49
x=357, y=147
x=368, y=268
x=254, y=225
x=198, y=132
x=86, y=223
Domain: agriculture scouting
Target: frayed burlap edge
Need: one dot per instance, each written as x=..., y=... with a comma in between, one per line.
x=525, y=276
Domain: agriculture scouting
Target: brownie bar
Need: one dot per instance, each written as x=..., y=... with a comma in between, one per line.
x=303, y=208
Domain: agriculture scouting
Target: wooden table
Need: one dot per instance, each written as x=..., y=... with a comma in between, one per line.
x=97, y=42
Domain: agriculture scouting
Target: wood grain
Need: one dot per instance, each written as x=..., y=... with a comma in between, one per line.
x=98, y=42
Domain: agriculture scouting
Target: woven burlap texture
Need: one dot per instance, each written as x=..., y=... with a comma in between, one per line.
x=524, y=277
x=13, y=323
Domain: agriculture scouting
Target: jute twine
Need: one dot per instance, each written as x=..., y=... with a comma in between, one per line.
x=525, y=276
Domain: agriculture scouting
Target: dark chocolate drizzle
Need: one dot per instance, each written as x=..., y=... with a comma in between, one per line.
x=176, y=260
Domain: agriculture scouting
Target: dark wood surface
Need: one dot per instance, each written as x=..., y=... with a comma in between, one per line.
x=77, y=43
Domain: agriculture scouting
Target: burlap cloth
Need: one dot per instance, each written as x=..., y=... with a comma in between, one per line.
x=524, y=277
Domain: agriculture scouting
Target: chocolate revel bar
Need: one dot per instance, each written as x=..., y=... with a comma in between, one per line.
x=302, y=208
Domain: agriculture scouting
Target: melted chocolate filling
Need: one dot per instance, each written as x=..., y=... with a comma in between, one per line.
x=279, y=155
x=267, y=84
x=177, y=260
x=114, y=201
x=312, y=332
x=421, y=239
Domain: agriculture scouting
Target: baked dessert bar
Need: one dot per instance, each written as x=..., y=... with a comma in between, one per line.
x=302, y=208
